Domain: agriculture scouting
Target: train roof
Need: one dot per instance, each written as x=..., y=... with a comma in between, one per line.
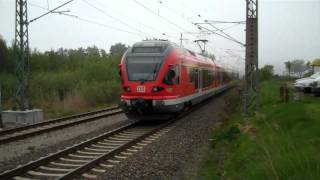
x=165, y=44
x=155, y=43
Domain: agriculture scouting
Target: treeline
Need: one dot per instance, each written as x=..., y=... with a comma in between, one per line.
x=65, y=80
x=300, y=68
x=295, y=68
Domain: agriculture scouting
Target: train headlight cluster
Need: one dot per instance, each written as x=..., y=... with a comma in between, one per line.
x=127, y=88
x=157, y=89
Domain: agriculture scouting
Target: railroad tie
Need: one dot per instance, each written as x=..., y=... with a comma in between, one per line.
x=74, y=160
x=55, y=169
x=104, y=147
x=132, y=150
x=120, y=157
x=106, y=165
x=89, y=153
x=83, y=157
x=98, y=170
x=113, y=161
x=22, y=178
x=89, y=176
x=65, y=165
x=141, y=144
x=36, y=173
x=97, y=150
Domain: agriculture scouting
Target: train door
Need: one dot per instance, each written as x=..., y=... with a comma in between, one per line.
x=200, y=86
x=197, y=80
x=221, y=78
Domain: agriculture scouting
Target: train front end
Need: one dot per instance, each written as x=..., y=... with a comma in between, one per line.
x=143, y=69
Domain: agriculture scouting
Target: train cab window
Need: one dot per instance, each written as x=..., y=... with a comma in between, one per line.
x=143, y=68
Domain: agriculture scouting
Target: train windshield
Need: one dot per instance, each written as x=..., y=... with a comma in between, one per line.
x=143, y=68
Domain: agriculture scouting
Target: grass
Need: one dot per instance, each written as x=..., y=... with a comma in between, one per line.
x=280, y=142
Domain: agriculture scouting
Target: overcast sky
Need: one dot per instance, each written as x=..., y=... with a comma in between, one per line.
x=287, y=29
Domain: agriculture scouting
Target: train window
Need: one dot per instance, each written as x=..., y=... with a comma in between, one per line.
x=196, y=78
x=190, y=72
x=204, y=77
x=143, y=68
x=173, y=76
x=147, y=49
x=207, y=78
x=177, y=71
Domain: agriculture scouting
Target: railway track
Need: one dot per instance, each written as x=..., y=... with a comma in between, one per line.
x=22, y=132
x=92, y=157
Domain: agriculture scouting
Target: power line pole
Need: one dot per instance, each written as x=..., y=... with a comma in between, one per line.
x=21, y=47
x=181, y=40
x=22, y=98
x=252, y=91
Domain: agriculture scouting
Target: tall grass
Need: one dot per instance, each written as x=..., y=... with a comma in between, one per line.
x=280, y=142
x=71, y=88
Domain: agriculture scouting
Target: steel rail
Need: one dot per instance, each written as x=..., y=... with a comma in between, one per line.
x=54, y=124
x=82, y=169
x=47, y=159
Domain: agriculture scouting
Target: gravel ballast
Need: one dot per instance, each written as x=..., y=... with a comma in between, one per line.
x=178, y=153
x=23, y=151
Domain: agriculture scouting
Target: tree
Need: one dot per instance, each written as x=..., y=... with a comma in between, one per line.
x=266, y=72
x=288, y=66
x=103, y=53
x=298, y=67
x=118, y=49
x=93, y=52
x=3, y=54
x=7, y=63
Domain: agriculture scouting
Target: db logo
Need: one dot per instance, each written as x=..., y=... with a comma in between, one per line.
x=141, y=89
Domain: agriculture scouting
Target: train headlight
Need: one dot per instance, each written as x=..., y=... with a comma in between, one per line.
x=157, y=89
x=127, y=88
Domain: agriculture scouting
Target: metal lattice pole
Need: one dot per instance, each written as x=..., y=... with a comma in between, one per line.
x=22, y=51
x=251, y=93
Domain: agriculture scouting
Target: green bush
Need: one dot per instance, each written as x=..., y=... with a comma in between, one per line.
x=67, y=80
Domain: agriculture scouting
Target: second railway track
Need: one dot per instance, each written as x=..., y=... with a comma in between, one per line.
x=14, y=134
x=91, y=158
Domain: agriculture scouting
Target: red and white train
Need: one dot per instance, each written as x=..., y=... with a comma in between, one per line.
x=160, y=78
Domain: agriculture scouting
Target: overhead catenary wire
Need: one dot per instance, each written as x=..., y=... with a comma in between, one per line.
x=88, y=21
x=174, y=11
x=138, y=22
x=223, y=32
x=231, y=39
x=225, y=35
x=224, y=22
x=100, y=24
x=187, y=19
x=196, y=13
x=112, y=17
x=34, y=19
x=154, y=13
